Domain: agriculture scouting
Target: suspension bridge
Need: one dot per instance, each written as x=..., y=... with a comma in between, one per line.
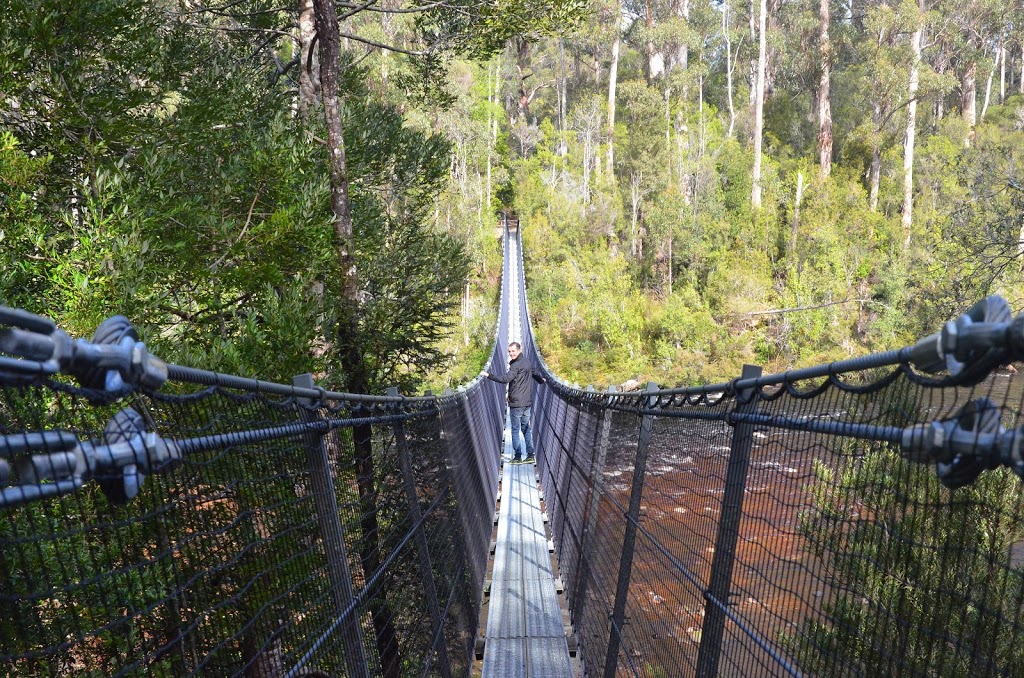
x=861, y=517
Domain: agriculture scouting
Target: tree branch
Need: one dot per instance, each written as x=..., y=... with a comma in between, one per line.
x=804, y=308
x=410, y=10
x=380, y=45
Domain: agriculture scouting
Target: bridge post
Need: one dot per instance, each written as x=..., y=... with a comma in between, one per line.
x=322, y=486
x=629, y=538
x=596, y=491
x=717, y=596
x=422, y=548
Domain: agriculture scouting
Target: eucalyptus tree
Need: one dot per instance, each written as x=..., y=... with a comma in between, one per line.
x=824, y=93
x=759, y=93
x=969, y=29
x=910, y=135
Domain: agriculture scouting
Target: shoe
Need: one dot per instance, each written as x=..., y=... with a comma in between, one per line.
x=530, y=459
x=517, y=459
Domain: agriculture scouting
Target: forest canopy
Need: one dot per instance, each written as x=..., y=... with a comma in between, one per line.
x=701, y=184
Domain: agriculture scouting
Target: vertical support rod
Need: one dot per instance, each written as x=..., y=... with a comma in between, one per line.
x=717, y=596
x=596, y=492
x=629, y=538
x=322, y=486
x=422, y=548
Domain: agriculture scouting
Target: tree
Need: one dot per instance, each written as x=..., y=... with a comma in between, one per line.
x=896, y=577
x=755, y=193
x=613, y=74
x=906, y=217
x=824, y=92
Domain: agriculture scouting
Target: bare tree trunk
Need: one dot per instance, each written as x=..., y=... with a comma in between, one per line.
x=752, y=67
x=876, y=158
x=908, y=140
x=330, y=54
x=824, y=99
x=634, y=200
x=701, y=128
x=655, y=60
x=613, y=73
x=309, y=68
x=465, y=315
x=755, y=192
x=1002, y=74
x=588, y=153
x=796, y=212
x=563, y=148
x=670, y=263
x=356, y=379
x=490, y=113
x=968, y=99
x=728, y=68
x=668, y=133
x=988, y=86
x=522, y=48
x=683, y=51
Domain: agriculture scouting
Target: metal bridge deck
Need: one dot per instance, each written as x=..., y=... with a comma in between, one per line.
x=525, y=636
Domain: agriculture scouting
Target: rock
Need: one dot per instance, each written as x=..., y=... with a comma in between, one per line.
x=630, y=385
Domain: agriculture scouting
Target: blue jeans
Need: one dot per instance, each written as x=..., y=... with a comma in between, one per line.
x=520, y=417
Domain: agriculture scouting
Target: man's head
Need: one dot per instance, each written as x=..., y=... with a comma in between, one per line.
x=514, y=349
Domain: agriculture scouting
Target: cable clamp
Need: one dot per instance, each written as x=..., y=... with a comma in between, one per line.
x=115, y=361
x=39, y=465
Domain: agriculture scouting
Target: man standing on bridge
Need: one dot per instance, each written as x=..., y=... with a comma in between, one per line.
x=520, y=398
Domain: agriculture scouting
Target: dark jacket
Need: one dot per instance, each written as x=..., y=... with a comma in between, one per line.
x=520, y=389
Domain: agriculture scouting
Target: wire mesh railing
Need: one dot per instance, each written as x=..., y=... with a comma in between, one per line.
x=860, y=518
x=857, y=518
x=163, y=520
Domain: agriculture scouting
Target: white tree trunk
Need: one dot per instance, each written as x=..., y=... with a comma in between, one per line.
x=796, y=212
x=702, y=146
x=668, y=132
x=753, y=62
x=670, y=264
x=490, y=109
x=1002, y=74
x=728, y=68
x=309, y=68
x=755, y=192
x=875, y=171
x=988, y=86
x=563, y=148
x=613, y=74
x=968, y=99
x=908, y=140
x=824, y=98
x=683, y=51
x=634, y=200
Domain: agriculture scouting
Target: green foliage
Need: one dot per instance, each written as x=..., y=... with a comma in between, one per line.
x=843, y=278
x=906, y=557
